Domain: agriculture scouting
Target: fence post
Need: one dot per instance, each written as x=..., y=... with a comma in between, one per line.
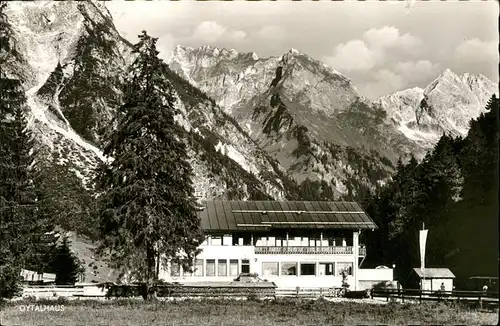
x=480, y=301
x=420, y=291
x=298, y=290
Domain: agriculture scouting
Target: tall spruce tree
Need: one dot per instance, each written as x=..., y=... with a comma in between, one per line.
x=10, y=246
x=147, y=209
x=65, y=264
x=25, y=237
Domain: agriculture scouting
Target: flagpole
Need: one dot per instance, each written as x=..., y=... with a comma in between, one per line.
x=423, y=265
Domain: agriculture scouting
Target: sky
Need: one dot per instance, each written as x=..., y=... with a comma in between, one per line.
x=382, y=47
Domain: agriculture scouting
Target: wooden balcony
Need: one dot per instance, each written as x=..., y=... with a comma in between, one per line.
x=295, y=250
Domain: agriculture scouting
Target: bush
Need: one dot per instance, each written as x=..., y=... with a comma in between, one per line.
x=9, y=282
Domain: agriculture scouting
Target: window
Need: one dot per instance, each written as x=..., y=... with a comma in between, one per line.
x=261, y=242
x=175, y=270
x=216, y=240
x=326, y=269
x=245, y=266
x=347, y=267
x=247, y=240
x=288, y=268
x=233, y=267
x=222, y=267
x=198, y=267
x=210, y=268
x=269, y=269
x=227, y=240
x=307, y=269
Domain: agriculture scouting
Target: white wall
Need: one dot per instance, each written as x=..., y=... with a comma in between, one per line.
x=376, y=274
x=256, y=260
x=436, y=284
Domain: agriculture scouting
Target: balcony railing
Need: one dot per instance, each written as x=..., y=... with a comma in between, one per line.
x=295, y=250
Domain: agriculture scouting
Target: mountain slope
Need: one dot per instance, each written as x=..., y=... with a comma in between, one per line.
x=73, y=63
x=298, y=109
x=305, y=114
x=446, y=105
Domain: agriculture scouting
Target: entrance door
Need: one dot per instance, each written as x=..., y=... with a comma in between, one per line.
x=245, y=266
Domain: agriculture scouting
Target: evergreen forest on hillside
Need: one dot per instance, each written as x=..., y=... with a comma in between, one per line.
x=454, y=193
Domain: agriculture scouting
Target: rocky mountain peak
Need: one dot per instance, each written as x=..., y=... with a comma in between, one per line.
x=48, y=32
x=446, y=105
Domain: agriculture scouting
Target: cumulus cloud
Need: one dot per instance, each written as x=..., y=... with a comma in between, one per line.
x=476, y=50
x=416, y=70
x=208, y=31
x=166, y=44
x=399, y=76
x=272, y=33
x=237, y=35
x=393, y=80
x=353, y=55
x=389, y=37
x=371, y=51
x=384, y=81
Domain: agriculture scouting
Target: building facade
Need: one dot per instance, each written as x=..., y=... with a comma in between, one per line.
x=305, y=244
x=432, y=279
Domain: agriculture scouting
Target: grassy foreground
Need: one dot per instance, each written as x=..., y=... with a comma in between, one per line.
x=226, y=312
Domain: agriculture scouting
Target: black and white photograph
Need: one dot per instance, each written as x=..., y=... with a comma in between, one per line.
x=249, y=163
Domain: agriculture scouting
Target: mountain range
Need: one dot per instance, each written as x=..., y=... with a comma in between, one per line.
x=260, y=128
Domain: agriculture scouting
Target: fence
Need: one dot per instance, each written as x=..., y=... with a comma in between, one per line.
x=53, y=291
x=131, y=291
x=260, y=291
x=309, y=293
x=481, y=297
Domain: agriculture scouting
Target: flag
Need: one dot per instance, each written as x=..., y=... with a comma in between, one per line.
x=423, y=239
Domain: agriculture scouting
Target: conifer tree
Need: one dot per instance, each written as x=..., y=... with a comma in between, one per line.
x=147, y=207
x=65, y=264
x=10, y=245
x=21, y=231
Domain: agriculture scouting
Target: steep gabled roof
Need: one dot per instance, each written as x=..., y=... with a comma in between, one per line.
x=224, y=215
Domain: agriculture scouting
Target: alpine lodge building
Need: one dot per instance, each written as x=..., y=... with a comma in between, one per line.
x=291, y=243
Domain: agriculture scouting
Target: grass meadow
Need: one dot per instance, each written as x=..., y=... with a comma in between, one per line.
x=230, y=312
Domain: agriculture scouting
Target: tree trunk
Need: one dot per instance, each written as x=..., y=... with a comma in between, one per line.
x=151, y=278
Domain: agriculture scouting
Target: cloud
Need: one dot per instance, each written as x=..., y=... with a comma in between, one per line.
x=237, y=35
x=272, y=32
x=383, y=81
x=398, y=77
x=478, y=51
x=208, y=31
x=353, y=55
x=376, y=47
x=166, y=43
x=389, y=37
x=416, y=70
x=390, y=78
